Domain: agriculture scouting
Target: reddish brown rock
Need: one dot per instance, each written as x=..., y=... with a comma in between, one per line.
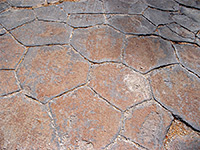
x=147, y=125
x=134, y=24
x=147, y=53
x=8, y=82
x=98, y=43
x=50, y=70
x=10, y=52
x=84, y=120
x=181, y=137
x=43, y=33
x=189, y=56
x=119, y=85
x=178, y=90
x=25, y=124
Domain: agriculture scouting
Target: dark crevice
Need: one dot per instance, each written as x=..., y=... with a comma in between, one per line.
x=181, y=4
x=33, y=98
x=10, y=93
x=162, y=9
x=6, y=69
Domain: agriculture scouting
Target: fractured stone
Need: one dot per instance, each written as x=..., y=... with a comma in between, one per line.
x=147, y=125
x=85, y=20
x=10, y=52
x=82, y=116
x=8, y=82
x=133, y=24
x=119, y=85
x=157, y=16
x=82, y=6
x=98, y=44
x=26, y=3
x=51, y=70
x=189, y=56
x=51, y=13
x=178, y=90
x=43, y=33
x=13, y=18
x=147, y=53
x=25, y=124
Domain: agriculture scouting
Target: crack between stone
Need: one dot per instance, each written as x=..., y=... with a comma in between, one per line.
x=11, y=93
x=21, y=60
x=187, y=5
x=7, y=69
x=34, y=99
x=156, y=8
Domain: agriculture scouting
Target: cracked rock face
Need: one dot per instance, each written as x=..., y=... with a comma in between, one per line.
x=48, y=71
x=82, y=116
x=178, y=91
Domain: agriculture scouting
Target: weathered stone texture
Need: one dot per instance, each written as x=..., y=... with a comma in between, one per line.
x=26, y=3
x=50, y=70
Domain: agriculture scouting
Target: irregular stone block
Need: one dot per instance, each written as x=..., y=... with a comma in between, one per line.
x=43, y=33
x=98, y=43
x=178, y=90
x=13, y=18
x=147, y=53
x=147, y=125
x=51, y=70
x=119, y=85
x=189, y=56
x=134, y=24
x=85, y=121
x=25, y=124
x=8, y=82
x=85, y=20
x=51, y=13
x=10, y=52
x=26, y=3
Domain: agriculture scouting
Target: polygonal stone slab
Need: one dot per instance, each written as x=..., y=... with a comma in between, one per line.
x=51, y=13
x=13, y=18
x=119, y=85
x=85, y=20
x=51, y=70
x=157, y=16
x=98, y=43
x=25, y=124
x=178, y=90
x=163, y=4
x=147, y=53
x=82, y=116
x=147, y=124
x=181, y=137
x=8, y=82
x=82, y=6
x=192, y=13
x=10, y=52
x=26, y=3
x=43, y=33
x=134, y=24
x=125, y=6
x=189, y=56
x=191, y=3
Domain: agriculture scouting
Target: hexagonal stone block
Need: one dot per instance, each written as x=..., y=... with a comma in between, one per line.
x=13, y=18
x=125, y=6
x=25, y=124
x=82, y=117
x=51, y=70
x=10, y=52
x=191, y=3
x=147, y=53
x=8, y=82
x=98, y=43
x=147, y=124
x=51, y=13
x=189, y=56
x=163, y=4
x=82, y=6
x=134, y=24
x=119, y=85
x=181, y=137
x=43, y=33
x=85, y=20
x=158, y=16
x=26, y=3
x=178, y=90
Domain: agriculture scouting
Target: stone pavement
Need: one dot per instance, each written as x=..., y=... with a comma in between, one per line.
x=100, y=74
